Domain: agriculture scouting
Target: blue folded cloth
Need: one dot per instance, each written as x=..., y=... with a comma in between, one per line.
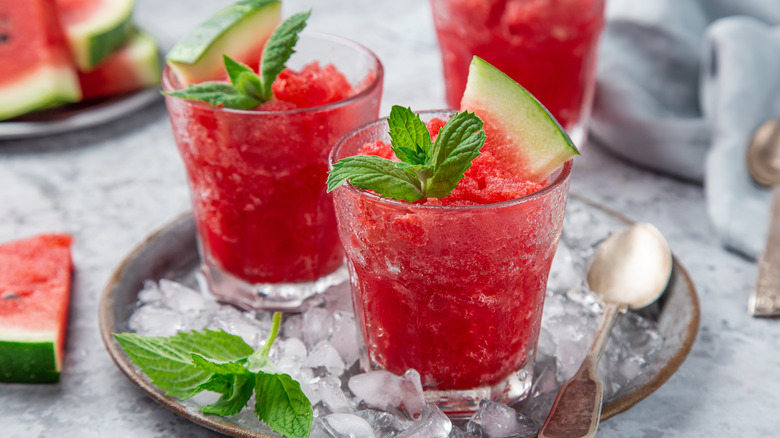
x=682, y=85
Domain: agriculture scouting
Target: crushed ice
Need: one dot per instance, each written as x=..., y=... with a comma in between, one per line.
x=319, y=348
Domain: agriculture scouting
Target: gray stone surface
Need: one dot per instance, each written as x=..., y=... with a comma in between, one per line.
x=113, y=185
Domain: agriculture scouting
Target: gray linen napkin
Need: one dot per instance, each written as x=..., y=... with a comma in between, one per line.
x=682, y=85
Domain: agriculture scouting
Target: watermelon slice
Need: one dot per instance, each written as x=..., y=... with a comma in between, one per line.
x=34, y=292
x=35, y=67
x=520, y=131
x=134, y=66
x=95, y=28
x=239, y=31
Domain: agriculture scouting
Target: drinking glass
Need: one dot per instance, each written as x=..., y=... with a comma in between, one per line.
x=548, y=46
x=266, y=227
x=455, y=293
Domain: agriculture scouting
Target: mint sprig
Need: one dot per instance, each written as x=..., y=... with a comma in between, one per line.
x=188, y=363
x=278, y=49
x=426, y=169
x=246, y=89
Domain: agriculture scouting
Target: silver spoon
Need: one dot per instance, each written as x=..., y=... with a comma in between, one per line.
x=630, y=269
x=763, y=163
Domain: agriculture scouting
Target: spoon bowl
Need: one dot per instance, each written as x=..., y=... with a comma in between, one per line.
x=632, y=267
x=763, y=154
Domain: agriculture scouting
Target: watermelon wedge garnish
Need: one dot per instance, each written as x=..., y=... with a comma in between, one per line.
x=239, y=31
x=520, y=131
x=35, y=278
x=36, y=69
x=95, y=28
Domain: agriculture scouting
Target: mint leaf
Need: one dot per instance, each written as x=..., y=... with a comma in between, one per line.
x=381, y=175
x=243, y=78
x=168, y=361
x=425, y=170
x=280, y=403
x=278, y=49
x=409, y=136
x=217, y=94
x=231, y=379
x=455, y=148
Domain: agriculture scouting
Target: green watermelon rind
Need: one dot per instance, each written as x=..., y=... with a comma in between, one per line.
x=33, y=361
x=46, y=87
x=93, y=40
x=491, y=93
x=231, y=31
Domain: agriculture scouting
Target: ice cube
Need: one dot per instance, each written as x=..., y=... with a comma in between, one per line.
x=181, y=298
x=288, y=355
x=150, y=293
x=291, y=327
x=412, y=398
x=329, y=389
x=382, y=390
x=344, y=337
x=432, y=423
x=497, y=420
x=375, y=388
x=341, y=425
x=315, y=326
x=325, y=355
x=384, y=423
x=154, y=320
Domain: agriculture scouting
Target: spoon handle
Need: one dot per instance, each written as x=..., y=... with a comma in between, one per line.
x=765, y=299
x=577, y=408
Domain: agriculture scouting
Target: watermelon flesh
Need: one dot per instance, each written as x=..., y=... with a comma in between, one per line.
x=35, y=67
x=35, y=276
x=134, y=66
x=95, y=28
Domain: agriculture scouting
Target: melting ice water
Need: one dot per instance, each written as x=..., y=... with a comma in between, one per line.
x=319, y=348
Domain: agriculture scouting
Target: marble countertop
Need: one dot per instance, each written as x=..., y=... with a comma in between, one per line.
x=113, y=185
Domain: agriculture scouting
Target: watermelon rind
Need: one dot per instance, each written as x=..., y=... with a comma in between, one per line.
x=239, y=31
x=106, y=30
x=31, y=359
x=540, y=144
x=47, y=86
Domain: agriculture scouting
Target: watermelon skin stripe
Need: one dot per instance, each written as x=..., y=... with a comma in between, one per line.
x=95, y=38
x=28, y=362
x=100, y=46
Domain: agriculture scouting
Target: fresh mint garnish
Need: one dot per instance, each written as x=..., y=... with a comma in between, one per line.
x=188, y=363
x=246, y=89
x=278, y=50
x=427, y=169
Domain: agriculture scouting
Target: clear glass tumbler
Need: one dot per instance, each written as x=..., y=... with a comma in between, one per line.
x=266, y=227
x=548, y=46
x=453, y=292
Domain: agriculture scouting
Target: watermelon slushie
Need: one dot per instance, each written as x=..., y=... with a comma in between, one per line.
x=452, y=287
x=547, y=46
x=267, y=231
